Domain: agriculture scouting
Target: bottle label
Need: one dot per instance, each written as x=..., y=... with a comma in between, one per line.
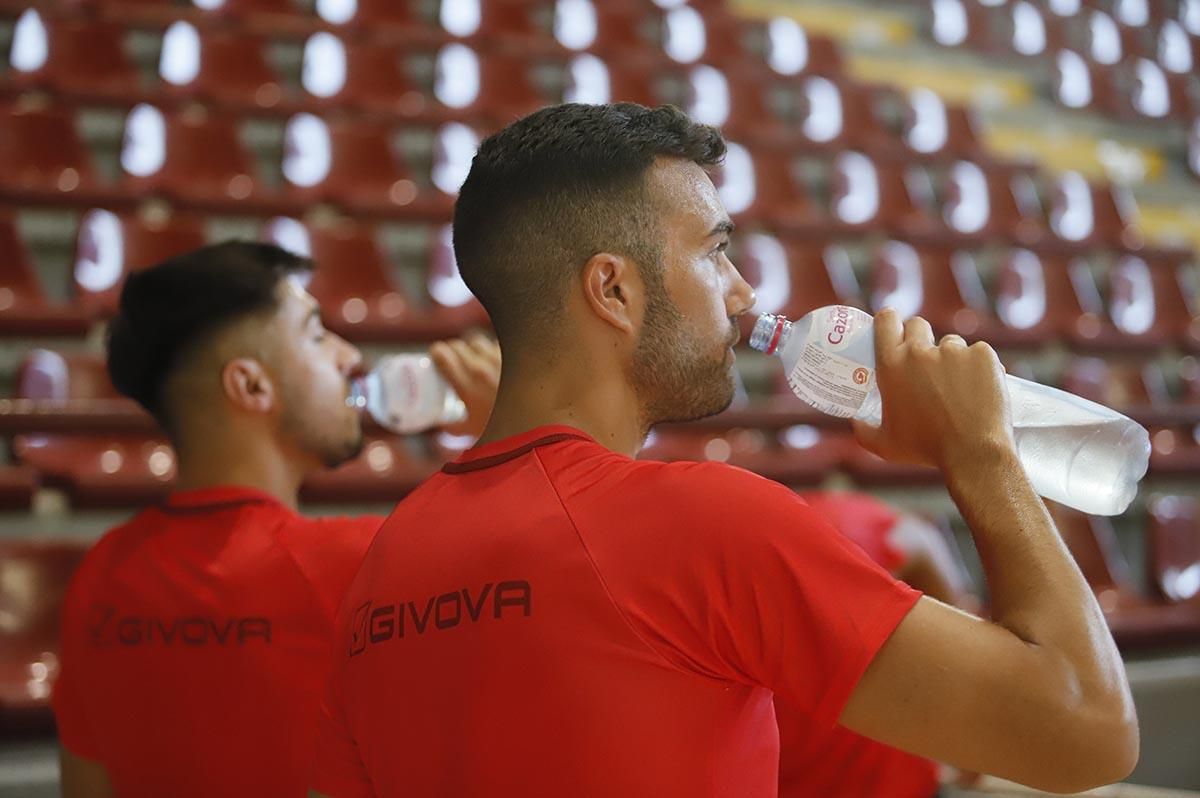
x=833, y=384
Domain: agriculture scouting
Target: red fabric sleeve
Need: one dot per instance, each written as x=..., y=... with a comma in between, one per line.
x=338, y=770
x=75, y=731
x=865, y=520
x=732, y=576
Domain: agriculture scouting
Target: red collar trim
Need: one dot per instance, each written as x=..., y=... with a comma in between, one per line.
x=498, y=452
x=221, y=497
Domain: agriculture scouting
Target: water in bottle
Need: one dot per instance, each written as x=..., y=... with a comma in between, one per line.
x=1074, y=451
x=406, y=394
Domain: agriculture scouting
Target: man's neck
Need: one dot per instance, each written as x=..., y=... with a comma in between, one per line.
x=260, y=467
x=606, y=409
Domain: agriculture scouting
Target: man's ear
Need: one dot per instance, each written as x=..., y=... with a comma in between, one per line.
x=248, y=385
x=613, y=290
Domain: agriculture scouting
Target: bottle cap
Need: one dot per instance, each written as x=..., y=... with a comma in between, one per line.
x=767, y=332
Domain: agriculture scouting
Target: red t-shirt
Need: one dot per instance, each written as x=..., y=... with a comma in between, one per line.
x=195, y=644
x=844, y=764
x=548, y=618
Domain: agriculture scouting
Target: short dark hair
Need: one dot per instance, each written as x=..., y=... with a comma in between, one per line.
x=551, y=190
x=169, y=309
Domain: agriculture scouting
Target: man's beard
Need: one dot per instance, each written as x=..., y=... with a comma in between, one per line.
x=674, y=379
x=327, y=446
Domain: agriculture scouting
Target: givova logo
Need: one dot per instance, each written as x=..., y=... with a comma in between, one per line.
x=378, y=623
x=107, y=627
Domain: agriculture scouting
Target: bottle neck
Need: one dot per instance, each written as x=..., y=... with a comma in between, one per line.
x=769, y=334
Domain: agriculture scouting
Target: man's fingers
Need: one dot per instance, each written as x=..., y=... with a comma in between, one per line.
x=888, y=332
x=917, y=331
x=449, y=364
x=485, y=347
x=479, y=366
x=868, y=436
x=952, y=340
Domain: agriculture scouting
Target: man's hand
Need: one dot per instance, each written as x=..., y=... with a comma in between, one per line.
x=472, y=367
x=940, y=401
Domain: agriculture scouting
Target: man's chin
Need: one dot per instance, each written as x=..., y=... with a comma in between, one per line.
x=682, y=415
x=350, y=451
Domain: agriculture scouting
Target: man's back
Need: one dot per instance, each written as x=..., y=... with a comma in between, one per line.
x=549, y=618
x=195, y=644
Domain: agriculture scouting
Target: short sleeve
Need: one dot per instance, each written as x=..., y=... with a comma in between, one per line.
x=865, y=520
x=75, y=732
x=338, y=770
x=732, y=576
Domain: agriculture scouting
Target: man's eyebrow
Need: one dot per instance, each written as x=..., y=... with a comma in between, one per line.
x=314, y=312
x=724, y=227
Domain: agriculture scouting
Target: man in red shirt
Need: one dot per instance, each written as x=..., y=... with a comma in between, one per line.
x=196, y=636
x=551, y=617
x=843, y=763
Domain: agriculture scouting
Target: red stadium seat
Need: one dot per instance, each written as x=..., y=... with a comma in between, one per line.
x=590, y=79
x=962, y=23
x=110, y=246
x=764, y=186
x=482, y=85
x=76, y=58
x=45, y=374
x=31, y=600
x=1036, y=300
x=1084, y=214
x=788, y=49
x=364, y=75
x=939, y=283
x=389, y=20
x=1033, y=32
x=1135, y=306
x=24, y=308
x=1132, y=388
x=94, y=470
x=101, y=471
x=1175, y=450
x=353, y=280
x=347, y=163
x=792, y=277
x=1173, y=549
x=452, y=307
x=261, y=15
x=985, y=200
x=18, y=484
x=840, y=113
x=1093, y=543
x=874, y=194
x=42, y=159
x=931, y=127
x=360, y=298
x=217, y=67
x=188, y=158
x=1083, y=84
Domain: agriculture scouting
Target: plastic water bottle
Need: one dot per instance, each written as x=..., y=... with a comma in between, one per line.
x=1074, y=451
x=406, y=394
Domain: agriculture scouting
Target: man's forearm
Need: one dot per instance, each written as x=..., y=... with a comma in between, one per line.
x=1037, y=591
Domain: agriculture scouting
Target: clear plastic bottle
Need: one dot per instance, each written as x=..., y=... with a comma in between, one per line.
x=406, y=394
x=1075, y=452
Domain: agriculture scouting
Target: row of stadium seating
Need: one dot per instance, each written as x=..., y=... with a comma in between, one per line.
x=1138, y=65
x=74, y=432
x=1123, y=299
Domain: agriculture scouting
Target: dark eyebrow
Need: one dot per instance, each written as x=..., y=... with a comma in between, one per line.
x=724, y=227
x=313, y=313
